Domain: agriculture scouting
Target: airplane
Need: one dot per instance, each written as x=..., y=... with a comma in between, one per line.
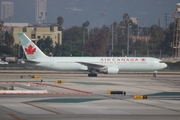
x=106, y=65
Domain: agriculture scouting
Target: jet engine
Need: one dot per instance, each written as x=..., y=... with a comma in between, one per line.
x=109, y=70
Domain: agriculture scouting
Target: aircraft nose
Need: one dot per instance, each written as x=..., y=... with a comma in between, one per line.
x=165, y=65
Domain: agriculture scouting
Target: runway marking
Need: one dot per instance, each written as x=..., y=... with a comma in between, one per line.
x=48, y=93
x=41, y=108
x=47, y=85
x=65, y=88
x=16, y=117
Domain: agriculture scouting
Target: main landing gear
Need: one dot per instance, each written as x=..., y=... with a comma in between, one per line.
x=92, y=75
x=155, y=73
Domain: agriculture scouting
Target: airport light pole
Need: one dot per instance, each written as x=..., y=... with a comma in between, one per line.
x=83, y=36
x=137, y=28
x=128, y=39
x=19, y=50
x=112, y=40
x=93, y=26
x=102, y=20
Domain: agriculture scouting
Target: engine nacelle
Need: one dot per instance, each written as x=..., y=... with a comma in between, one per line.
x=109, y=70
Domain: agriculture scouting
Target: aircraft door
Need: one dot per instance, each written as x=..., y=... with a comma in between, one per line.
x=51, y=62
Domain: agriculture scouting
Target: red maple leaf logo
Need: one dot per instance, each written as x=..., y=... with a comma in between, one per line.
x=143, y=59
x=30, y=50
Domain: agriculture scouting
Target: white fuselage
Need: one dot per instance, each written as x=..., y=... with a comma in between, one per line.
x=122, y=63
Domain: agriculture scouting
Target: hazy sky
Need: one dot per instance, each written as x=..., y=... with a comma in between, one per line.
x=76, y=12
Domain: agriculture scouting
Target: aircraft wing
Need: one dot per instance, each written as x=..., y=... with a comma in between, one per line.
x=92, y=65
x=100, y=68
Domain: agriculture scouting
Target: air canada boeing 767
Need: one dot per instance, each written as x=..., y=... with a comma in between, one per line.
x=106, y=65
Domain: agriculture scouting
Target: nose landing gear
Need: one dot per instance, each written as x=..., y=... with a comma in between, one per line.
x=155, y=73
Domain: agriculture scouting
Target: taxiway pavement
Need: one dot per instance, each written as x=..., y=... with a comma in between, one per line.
x=86, y=98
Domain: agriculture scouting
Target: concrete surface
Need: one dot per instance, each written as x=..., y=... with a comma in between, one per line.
x=70, y=100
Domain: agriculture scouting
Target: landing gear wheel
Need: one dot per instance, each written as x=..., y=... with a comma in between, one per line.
x=154, y=75
x=92, y=75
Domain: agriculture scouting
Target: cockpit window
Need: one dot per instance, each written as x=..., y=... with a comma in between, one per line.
x=161, y=62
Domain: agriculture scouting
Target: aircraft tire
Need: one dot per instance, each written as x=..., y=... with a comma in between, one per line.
x=154, y=75
x=92, y=75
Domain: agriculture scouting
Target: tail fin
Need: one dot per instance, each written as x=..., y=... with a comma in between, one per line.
x=30, y=49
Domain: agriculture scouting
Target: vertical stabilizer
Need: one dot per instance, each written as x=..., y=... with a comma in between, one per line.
x=30, y=49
